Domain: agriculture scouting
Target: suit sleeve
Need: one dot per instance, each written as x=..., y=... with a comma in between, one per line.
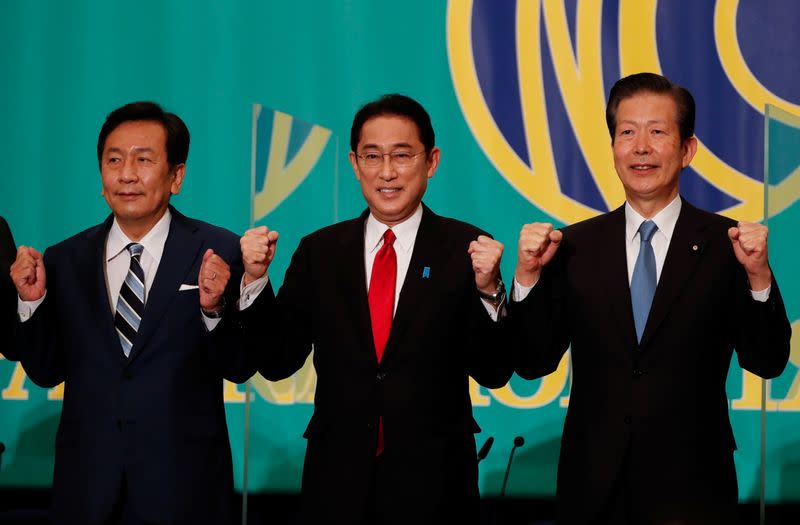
x=37, y=341
x=229, y=353
x=280, y=328
x=489, y=358
x=762, y=331
x=8, y=294
x=537, y=328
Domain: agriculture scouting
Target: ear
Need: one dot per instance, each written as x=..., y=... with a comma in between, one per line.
x=689, y=149
x=177, y=174
x=354, y=163
x=433, y=161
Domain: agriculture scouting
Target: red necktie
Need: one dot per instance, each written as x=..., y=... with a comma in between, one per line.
x=381, y=303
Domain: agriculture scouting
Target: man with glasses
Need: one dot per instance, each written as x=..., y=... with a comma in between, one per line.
x=399, y=306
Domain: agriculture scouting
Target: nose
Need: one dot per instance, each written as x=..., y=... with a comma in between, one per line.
x=128, y=172
x=387, y=171
x=642, y=144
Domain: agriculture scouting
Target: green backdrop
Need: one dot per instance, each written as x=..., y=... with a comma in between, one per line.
x=516, y=92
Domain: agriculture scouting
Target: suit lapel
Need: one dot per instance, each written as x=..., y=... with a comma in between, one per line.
x=180, y=252
x=353, y=280
x=93, y=264
x=427, y=254
x=619, y=290
x=685, y=251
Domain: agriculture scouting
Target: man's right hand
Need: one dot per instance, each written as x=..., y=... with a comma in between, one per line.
x=28, y=274
x=258, y=250
x=538, y=243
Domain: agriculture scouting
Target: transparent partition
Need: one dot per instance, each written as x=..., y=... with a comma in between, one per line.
x=780, y=443
x=294, y=190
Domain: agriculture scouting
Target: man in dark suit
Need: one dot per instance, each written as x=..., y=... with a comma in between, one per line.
x=130, y=314
x=653, y=298
x=391, y=304
x=8, y=296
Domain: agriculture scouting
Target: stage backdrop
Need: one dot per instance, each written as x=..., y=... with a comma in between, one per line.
x=516, y=90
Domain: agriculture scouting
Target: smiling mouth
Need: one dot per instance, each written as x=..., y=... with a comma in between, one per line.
x=389, y=191
x=643, y=167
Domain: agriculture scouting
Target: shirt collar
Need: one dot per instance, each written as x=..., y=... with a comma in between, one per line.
x=405, y=232
x=665, y=219
x=153, y=241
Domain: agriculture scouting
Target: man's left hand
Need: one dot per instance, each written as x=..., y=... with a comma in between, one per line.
x=486, y=253
x=749, y=240
x=212, y=280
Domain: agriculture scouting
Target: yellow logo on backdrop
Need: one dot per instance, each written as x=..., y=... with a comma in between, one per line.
x=532, y=168
x=282, y=174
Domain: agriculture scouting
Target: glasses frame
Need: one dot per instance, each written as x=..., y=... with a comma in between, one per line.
x=392, y=159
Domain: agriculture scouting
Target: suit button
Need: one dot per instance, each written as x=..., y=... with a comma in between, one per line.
x=127, y=375
x=638, y=372
x=371, y=426
x=119, y=424
x=381, y=375
x=628, y=420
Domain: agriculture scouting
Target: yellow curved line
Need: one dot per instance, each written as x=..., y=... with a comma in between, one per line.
x=581, y=85
x=281, y=178
x=539, y=185
x=734, y=64
x=637, y=45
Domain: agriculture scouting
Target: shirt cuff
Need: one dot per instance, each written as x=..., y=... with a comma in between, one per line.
x=519, y=292
x=249, y=293
x=494, y=314
x=25, y=309
x=210, y=322
x=762, y=295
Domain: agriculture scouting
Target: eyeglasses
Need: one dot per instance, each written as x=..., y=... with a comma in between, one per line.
x=399, y=159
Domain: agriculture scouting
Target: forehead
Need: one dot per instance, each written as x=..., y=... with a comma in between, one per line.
x=137, y=134
x=647, y=106
x=387, y=130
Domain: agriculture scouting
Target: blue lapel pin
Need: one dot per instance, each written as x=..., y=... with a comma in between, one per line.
x=426, y=272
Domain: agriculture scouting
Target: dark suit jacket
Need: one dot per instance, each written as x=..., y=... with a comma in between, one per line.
x=8, y=294
x=657, y=409
x=156, y=418
x=440, y=336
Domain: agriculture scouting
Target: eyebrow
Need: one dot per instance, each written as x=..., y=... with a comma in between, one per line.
x=143, y=149
x=392, y=146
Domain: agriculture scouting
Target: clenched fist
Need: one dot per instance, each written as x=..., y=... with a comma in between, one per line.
x=486, y=253
x=28, y=274
x=212, y=280
x=749, y=240
x=538, y=243
x=258, y=250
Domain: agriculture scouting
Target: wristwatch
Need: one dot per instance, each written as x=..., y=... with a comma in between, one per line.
x=215, y=314
x=497, y=297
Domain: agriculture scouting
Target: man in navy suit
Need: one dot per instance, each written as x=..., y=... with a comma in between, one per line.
x=131, y=315
x=653, y=298
x=8, y=296
x=398, y=305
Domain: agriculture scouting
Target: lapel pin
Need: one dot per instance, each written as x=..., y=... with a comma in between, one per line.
x=695, y=248
x=426, y=272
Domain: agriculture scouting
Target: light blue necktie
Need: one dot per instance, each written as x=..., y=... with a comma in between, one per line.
x=643, y=283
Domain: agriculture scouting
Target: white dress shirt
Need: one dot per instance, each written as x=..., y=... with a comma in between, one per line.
x=405, y=237
x=665, y=220
x=118, y=260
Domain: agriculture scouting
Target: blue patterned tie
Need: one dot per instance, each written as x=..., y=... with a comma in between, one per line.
x=130, y=303
x=643, y=283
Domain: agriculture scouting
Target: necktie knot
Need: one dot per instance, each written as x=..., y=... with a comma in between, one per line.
x=646, y=230
x=388, y=237
x=135, y=249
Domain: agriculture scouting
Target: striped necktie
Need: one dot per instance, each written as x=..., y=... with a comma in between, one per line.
x=130, y=303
